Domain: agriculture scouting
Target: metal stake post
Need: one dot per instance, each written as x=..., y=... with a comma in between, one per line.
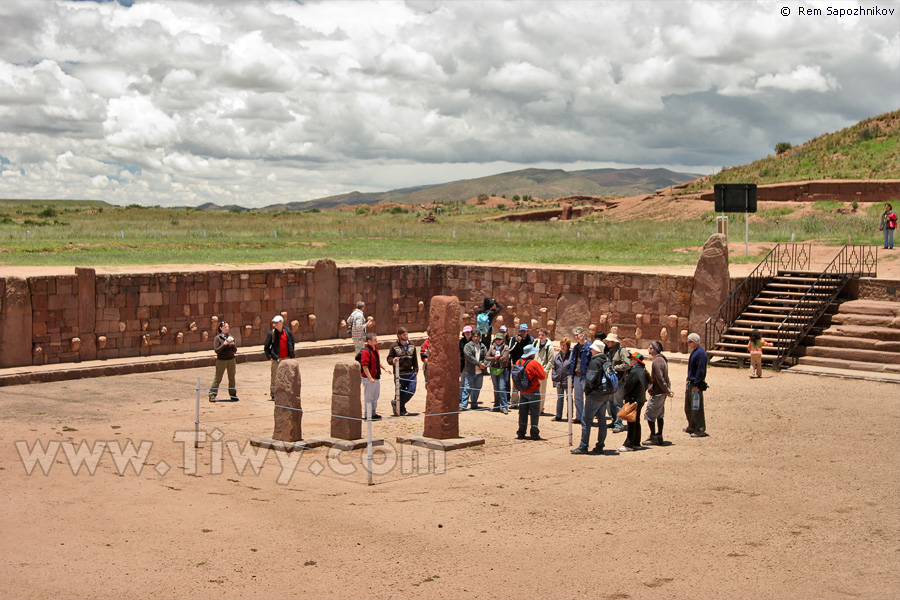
x=569, y=398
x=746, y=220
x=369, y=442
x=197, y=417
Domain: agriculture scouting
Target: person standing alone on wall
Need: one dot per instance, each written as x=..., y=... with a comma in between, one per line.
x=279, y=345
x=356, y=323
x=223, y=346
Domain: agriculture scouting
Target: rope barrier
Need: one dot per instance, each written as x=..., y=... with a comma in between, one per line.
x=367, y=456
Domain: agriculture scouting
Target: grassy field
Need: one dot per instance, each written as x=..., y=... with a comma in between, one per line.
x=36, y=232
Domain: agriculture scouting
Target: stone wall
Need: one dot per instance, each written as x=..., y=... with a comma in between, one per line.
x=875, y=289
x=89, y=316
x=639, y=305
x=873, y=190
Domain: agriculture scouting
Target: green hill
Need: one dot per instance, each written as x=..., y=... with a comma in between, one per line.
x=868, y=150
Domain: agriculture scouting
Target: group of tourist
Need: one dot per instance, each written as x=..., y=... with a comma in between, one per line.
x=602, y=377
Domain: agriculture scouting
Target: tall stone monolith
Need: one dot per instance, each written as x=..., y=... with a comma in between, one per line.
x=443, y=369
x=15, y=324
x=346, y=409
x=326, y=309
x=288, y=413
x=712, y=282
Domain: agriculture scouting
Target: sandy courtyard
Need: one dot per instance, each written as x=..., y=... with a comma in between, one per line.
x=796, y=494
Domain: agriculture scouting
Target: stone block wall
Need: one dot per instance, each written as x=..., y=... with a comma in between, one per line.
x=392, y=294
x=614, y=299
x=86, y=316
x=875, y=289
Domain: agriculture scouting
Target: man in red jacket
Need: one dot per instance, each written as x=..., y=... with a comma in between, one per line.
x=530, y=399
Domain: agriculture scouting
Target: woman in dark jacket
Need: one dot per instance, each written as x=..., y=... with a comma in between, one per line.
x=223, y=346
x=635, y=391
x=561, y=375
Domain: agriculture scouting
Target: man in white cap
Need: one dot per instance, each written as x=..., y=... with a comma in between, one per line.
x=530, y=398
x=596, y=399
x=279, y=345
x=696, y=385
x=621, y=362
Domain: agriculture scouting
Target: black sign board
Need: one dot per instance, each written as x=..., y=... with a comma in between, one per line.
x=735, y=197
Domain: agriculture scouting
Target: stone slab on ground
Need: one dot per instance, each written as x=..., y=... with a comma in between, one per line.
x=823, y=371
x=345, y=445
x=287, y=446
x=436, y=444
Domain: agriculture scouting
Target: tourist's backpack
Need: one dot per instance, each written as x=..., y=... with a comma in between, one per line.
x=605, y=380
x=482, y=324
x=519, y=377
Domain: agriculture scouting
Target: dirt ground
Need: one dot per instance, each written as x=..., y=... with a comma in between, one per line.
x=795, y=494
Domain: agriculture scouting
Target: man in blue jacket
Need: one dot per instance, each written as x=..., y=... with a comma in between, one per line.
x=696, y=385
x=578, y=367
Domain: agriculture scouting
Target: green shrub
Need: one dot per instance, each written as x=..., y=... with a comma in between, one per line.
x=782, y=147
x=868, y=133
x=363, y=210
x=48, y=213
x=398, y=210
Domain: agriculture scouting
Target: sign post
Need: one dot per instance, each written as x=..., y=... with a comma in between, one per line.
x=737, y=197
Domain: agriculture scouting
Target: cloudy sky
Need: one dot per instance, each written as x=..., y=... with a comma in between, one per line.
x=255, y=103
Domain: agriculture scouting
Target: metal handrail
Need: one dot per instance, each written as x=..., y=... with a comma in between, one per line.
x=811, y=306
x=786, y=256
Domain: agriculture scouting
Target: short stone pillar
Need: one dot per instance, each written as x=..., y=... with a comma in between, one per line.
x=288, y=409
x=346, y=408
x=346, y=411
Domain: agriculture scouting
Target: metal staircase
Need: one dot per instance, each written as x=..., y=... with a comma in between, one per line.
x=783, y=299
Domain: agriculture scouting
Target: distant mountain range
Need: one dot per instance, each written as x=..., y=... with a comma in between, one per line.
x=540, y=183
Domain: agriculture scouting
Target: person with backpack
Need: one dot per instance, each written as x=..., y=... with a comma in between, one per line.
x=474, y=355
x=635, y=390
x=517, y=345
x=370, y=363
x=498, y=366
x=403, y=356
x=888, y=225
x=600, y=384
x=578, y=366
x=490, y=308
x=659, y=389
x=527, y=375
x=621, y=362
